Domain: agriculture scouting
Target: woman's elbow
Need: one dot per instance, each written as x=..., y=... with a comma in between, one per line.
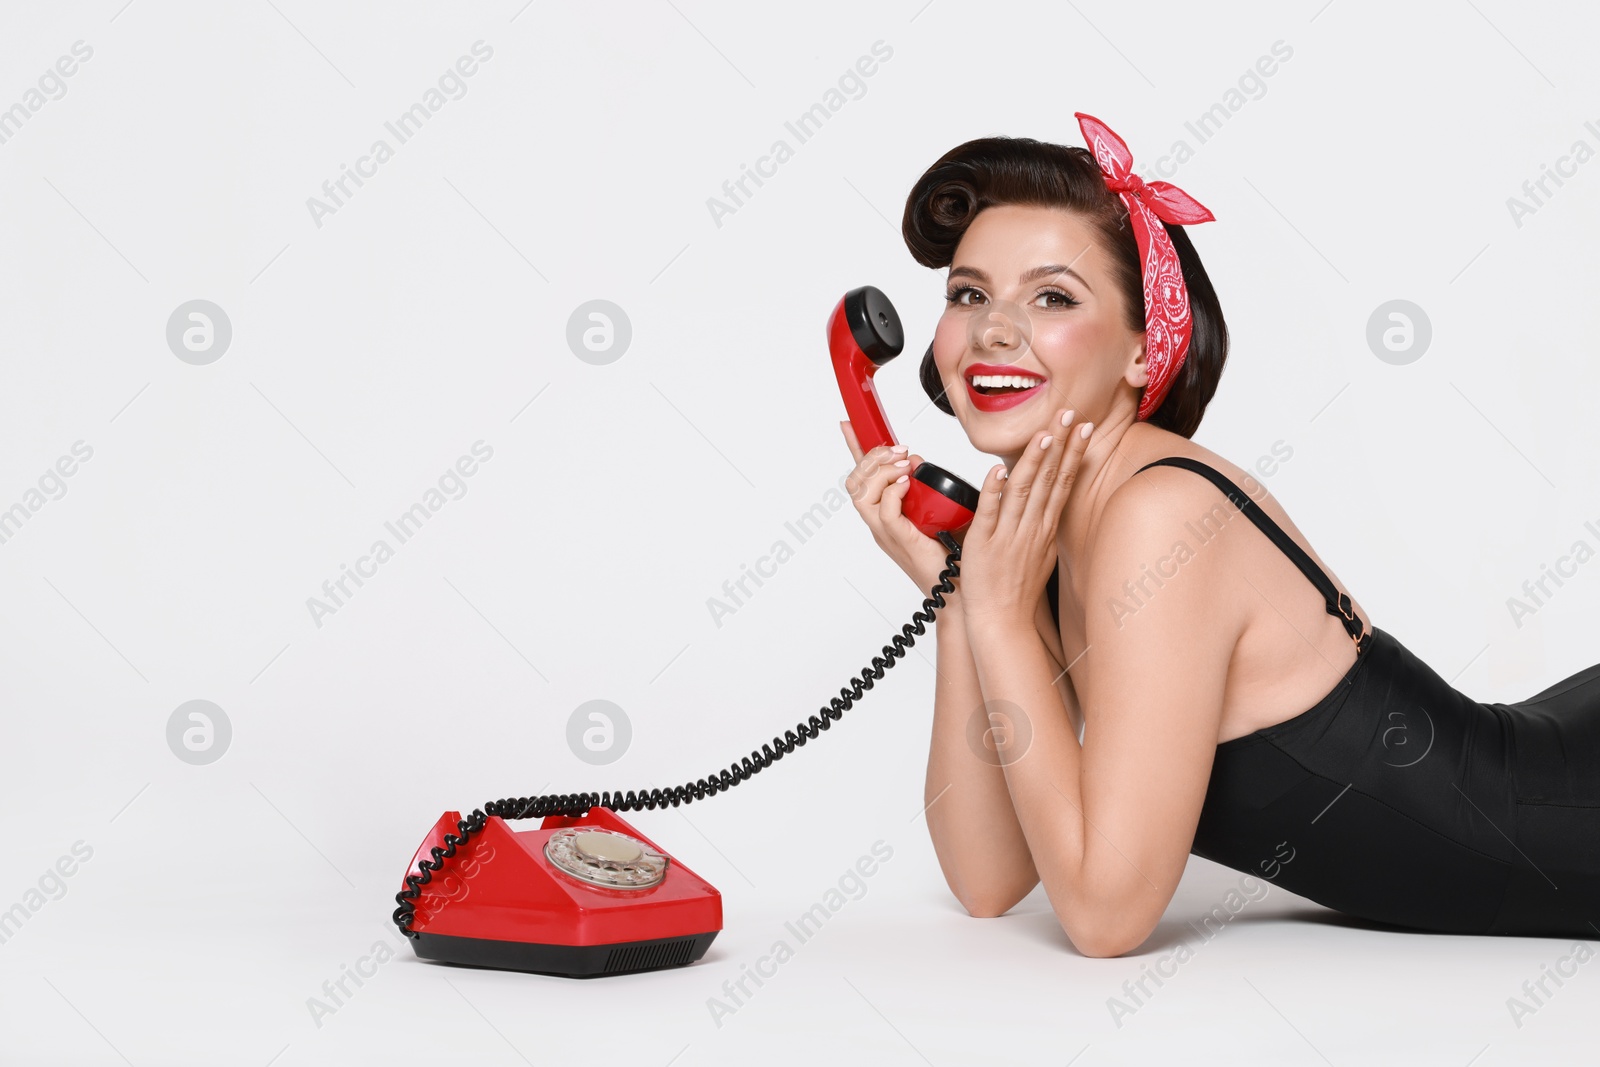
x=1110, y=932
x=1098, y=945
x=986, y=907
x=993, y=901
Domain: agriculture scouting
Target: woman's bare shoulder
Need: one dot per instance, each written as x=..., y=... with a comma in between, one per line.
x=1179, y=486
x=1146, y=492
x=1169, y=500
x=1172, y=493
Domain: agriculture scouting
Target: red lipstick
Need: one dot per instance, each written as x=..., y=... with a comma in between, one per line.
x=1004, y=401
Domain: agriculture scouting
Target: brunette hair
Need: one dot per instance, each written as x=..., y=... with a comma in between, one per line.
x=1020, y=170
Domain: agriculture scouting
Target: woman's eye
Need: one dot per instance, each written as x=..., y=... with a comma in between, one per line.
x=967, y=296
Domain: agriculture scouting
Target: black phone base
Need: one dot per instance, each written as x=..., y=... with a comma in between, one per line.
x=564, y=961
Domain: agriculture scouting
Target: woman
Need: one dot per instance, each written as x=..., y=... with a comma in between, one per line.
x=1157, y=676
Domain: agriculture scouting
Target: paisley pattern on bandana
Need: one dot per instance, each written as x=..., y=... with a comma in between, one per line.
x=1168, y=323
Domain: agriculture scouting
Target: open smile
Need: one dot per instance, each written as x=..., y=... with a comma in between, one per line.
x=992, y=388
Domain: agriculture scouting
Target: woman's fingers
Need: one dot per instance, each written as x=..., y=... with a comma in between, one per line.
x=1059, y=468
x=987, y=513
x=850, y=439
x=895, y=489
x=1022, y=483
x=1078, y=437
x=877, y=468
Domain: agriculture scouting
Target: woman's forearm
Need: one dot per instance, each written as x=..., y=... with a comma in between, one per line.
x=1041, y=760
x=972, y=824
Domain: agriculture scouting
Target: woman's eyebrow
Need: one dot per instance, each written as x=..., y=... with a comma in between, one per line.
x=1048, y=270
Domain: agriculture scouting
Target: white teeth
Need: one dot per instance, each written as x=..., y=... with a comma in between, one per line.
x=998, y=380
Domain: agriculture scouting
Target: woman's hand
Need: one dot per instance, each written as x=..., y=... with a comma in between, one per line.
x=877, y=487
x=1010, y=547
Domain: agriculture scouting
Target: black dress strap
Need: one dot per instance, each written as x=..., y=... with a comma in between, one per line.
x=1052, y=593
x=1338, y=603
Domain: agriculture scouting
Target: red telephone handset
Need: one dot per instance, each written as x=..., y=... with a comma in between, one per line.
x=864, y=333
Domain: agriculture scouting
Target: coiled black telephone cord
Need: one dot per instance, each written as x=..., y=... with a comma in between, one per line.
x=575, y=804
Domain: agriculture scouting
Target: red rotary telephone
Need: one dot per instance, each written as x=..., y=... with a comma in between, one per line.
x=585, y=894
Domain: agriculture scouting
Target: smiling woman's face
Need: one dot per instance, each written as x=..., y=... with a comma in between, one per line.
x=1064, y=329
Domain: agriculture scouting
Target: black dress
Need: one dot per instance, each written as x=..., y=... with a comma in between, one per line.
x=1399, y=800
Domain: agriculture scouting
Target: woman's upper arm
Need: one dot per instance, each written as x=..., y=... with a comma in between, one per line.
x=1160, y=632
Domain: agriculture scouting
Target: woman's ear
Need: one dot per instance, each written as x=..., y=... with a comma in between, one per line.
x=1137, y=375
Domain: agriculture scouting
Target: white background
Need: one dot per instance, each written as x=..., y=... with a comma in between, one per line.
x=370, y=352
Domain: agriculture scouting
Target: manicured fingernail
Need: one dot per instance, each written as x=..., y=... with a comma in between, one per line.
x=1003, y=475
x=903, y=463
x=1047, y=439
x=1066, y=417
x=898, y=448
x=902, y=478
x=1088, y=428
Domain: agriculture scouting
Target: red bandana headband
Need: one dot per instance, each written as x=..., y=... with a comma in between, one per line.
x=1166, y=300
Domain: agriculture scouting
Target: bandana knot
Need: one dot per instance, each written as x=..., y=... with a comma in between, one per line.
x=1130, y=183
